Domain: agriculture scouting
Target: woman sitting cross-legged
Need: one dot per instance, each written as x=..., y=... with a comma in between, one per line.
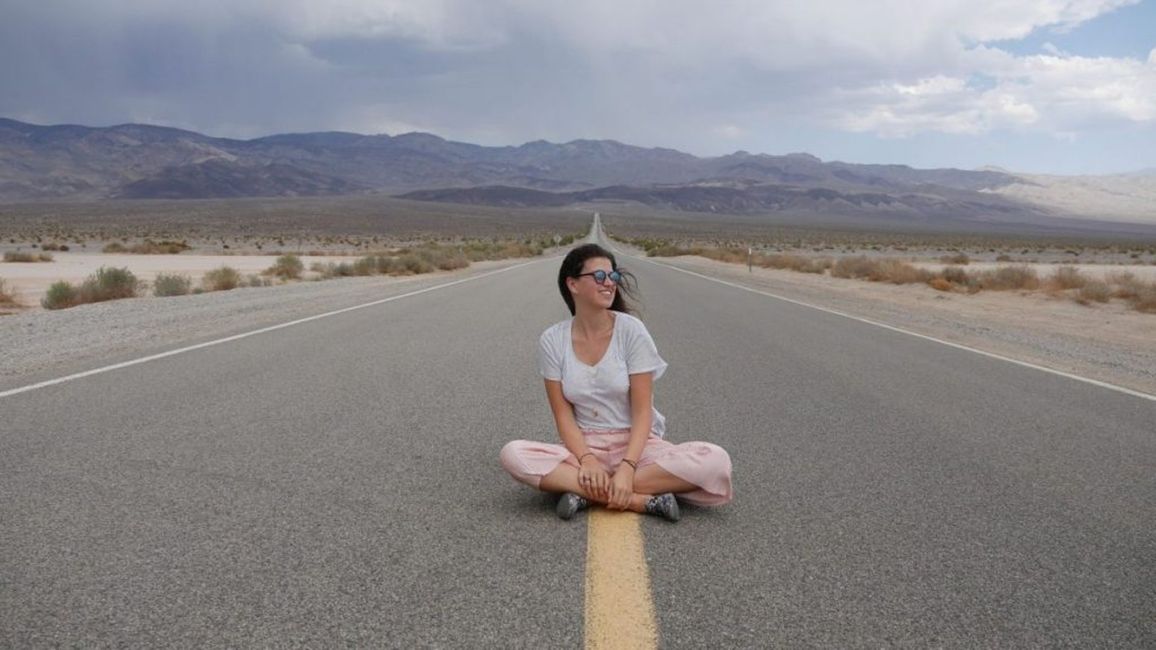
x=599, y=368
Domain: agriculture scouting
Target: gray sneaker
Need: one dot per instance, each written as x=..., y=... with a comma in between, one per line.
x=570, y=503
x=663, y=505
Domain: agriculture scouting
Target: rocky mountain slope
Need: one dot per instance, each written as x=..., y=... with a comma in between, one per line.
x=137, y=161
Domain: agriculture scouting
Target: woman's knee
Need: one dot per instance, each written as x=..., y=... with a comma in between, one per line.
x=511, y=457
x=721, y=460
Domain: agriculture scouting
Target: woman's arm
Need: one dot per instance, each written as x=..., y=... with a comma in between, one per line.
x=622, y=486
x=641, y=400
x=563, y=411
x=592, y=475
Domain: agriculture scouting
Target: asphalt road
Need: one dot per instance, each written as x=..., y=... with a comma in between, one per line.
x=337, y=482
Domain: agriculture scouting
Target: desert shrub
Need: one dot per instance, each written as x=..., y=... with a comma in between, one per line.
x=1124, y=284
x=7, y=298
x=1066, y=277
x=221, y=279
x=879, y=270
x=897, y=272
x=365, y=266
x=668, y=250
x=171, y=284
x=52, y=246
x=149, y=247
x=794, y=263
x=958, y=258
x=448, y=260
x=287, y=267
x=1094, y=291
x=60, y=295
x=413, y=264
x=955, y=275
x=387, y=265
x=1145, y=298
x=853, y=267
x=255, y=280
x=477, y=250
x=20, y=256
x=108, y=283
x=1008, y=278
x=1003, y=258
x=940, y=284
x=164, y=247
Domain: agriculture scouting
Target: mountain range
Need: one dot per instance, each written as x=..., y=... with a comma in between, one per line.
x=139, y=161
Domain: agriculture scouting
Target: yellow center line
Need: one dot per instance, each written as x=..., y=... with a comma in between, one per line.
x=619, y=609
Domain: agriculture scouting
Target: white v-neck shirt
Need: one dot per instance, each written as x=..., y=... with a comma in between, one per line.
x=601, y=393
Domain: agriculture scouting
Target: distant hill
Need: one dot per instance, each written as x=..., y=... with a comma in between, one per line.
x=138, y=160
x=69, y=162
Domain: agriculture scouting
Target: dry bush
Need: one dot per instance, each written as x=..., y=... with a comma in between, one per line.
x=1066, y=277
x=369, y=265
x=60, y=295
x=104, y=284
x=149, y=247
x=897, y=272
x=955, y=275
x=171, y=284
x=958, y=258
x=1145, y=298
x=221, y=279
x=332, y=270
x=52, y=246
x=414, y=264
x=108, y=283
x=668, y=250
x=20, y=256
x=940, y=284
x=879, y=270
x=1093, y=291
x=1008, y=278
x=853, y=267
x=450, y=257
x=793, y=263
x=7, y=298
x=1124, y=284
x=287, y=267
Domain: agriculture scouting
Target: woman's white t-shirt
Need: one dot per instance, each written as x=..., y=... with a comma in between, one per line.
x=601, y=393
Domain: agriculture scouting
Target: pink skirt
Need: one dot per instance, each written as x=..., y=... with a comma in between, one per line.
x=705, y=464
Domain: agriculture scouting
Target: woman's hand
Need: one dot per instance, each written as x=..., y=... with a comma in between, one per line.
x=621, y=488
x=593, y=477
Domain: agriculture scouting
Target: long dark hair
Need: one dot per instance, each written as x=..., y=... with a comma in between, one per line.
x=572, y=266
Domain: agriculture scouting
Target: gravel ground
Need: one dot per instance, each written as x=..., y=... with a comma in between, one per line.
x=41, y=344
x=1109, y=343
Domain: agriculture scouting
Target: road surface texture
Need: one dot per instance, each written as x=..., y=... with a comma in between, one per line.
x=337, y=483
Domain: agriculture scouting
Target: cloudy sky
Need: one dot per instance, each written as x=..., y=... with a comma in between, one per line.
x=1053, y=86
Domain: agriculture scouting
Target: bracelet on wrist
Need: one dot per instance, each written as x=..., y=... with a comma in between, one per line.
x=589, y=453
x=633, y=463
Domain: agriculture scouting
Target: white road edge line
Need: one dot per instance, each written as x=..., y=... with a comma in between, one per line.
x=1094, y=382
x=263, y=330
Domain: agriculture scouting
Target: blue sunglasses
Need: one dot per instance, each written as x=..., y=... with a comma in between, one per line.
x=600, y=276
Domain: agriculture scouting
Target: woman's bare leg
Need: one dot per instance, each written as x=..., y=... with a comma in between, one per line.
x=652, y=479
x=565, y=479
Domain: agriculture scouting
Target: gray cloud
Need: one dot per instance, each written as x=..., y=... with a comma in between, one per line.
x=705, y=77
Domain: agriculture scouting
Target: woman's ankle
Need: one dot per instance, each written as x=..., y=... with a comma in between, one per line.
x=638, y=502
